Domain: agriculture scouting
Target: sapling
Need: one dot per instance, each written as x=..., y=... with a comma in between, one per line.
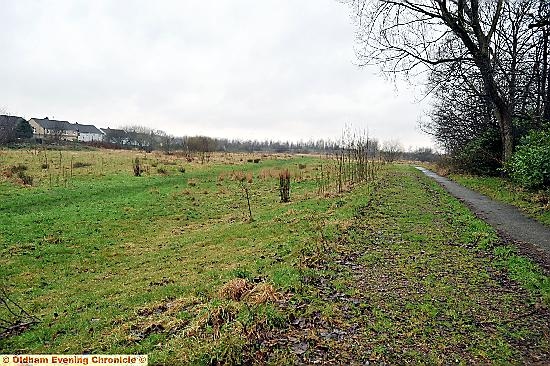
x=284, y=185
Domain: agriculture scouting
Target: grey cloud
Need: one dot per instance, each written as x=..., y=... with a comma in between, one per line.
x=242, y=68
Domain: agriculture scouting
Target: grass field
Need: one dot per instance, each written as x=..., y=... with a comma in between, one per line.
x=417, y=279
x=169, y=264
x=88, y=252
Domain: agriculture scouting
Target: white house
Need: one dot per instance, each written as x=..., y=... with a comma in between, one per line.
x=88, y=133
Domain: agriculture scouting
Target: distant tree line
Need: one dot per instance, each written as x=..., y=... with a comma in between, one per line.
x=148, y=139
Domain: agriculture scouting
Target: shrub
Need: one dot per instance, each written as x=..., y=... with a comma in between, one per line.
x=530, y=164
x=15, y=169
x=181, y=169
x=481, y=155
x=25, y=178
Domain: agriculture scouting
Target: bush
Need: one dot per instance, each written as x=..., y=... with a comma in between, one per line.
x=481, y=155
x=25, y=178
x=530, y=164
x=18, y=168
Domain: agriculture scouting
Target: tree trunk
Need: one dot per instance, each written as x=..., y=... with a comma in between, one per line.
x=501, y=107
x=545, y=78
x=507, y=135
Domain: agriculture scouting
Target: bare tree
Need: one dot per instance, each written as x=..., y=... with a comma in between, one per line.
x=165, y=141
x=462, y=111
x=391, y=150
x=421, y=35
x=140, y=136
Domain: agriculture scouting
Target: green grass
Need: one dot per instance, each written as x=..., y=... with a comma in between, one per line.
x=112, y=263
x=87, y=253
x=534, y=204
x=416, y=278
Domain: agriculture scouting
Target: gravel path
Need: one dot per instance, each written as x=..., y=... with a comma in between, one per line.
x=506, y=219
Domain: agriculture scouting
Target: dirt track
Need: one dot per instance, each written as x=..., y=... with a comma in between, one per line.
x=506, y=219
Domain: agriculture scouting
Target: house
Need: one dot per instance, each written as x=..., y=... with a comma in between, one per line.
x=88, y=133
x=8, y=127
x=116, y=136
x=51, y=129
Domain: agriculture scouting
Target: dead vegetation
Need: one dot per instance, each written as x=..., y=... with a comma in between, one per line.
x=235, y=289
x=240, y=289
x=14, y=319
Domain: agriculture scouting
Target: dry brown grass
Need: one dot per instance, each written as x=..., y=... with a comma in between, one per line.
x=265, y=174
x=240, y=289
x=262, y=293
x=235, y=289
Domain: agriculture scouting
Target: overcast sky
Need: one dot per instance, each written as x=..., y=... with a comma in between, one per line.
x=277, y=69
